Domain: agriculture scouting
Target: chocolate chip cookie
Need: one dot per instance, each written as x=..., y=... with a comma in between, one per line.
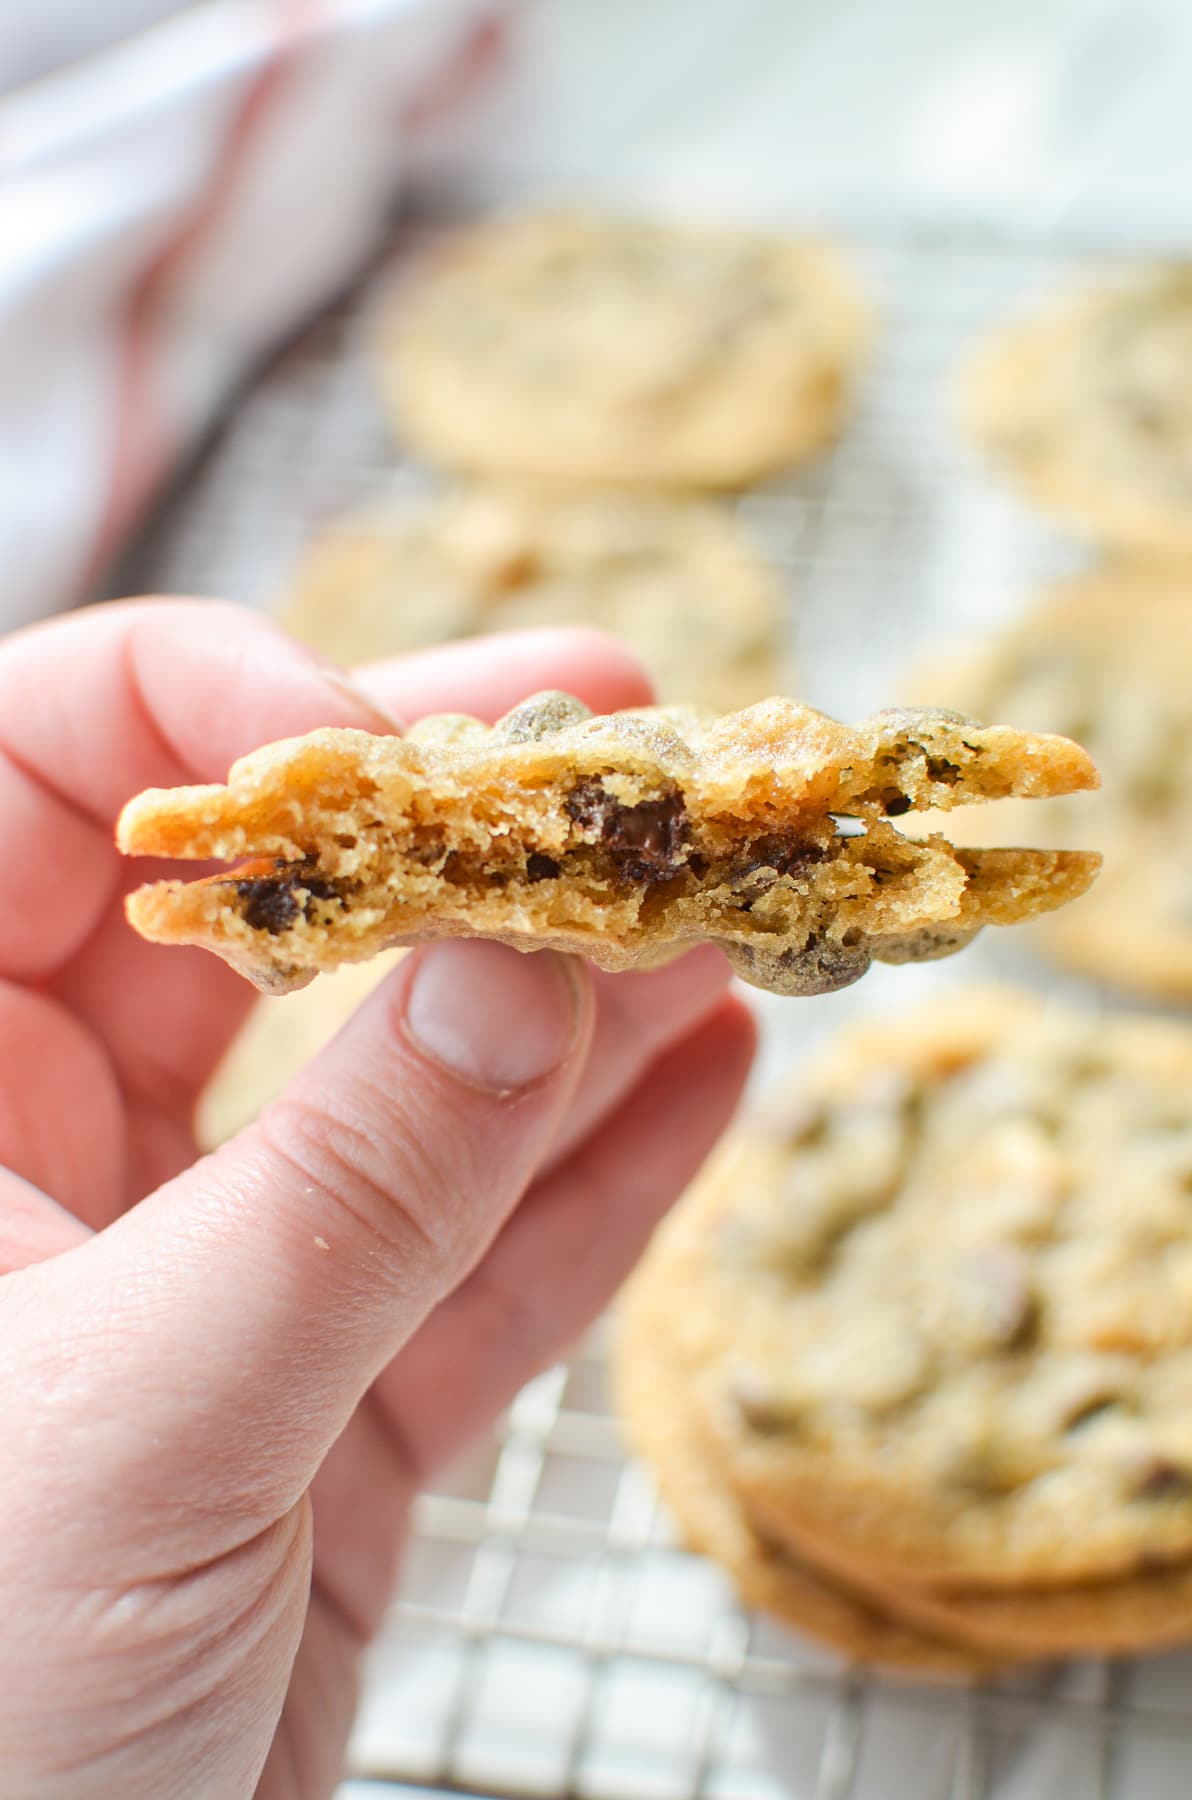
x=654, y=1405
x=1148, y=1611
x=677, y=581
x=812, y=1583
x=624, y=838
x=1087, y=407
x=936, y=1314
x=1107, y=658
x=576, y=348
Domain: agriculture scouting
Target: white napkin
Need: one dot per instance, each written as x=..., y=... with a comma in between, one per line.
x=171, y=207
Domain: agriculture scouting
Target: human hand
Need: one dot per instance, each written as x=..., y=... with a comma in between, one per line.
x=224, y=1380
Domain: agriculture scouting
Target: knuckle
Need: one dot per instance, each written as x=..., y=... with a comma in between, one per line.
x=386, y=1189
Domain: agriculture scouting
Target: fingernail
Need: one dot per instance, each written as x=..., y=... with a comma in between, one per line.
x=374, y=717
x=387, y=720
x=492, y=1016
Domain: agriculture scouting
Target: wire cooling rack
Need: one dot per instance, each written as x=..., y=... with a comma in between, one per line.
x=550, y=1637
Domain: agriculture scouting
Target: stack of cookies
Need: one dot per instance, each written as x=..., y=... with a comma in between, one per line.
x=915, y=1359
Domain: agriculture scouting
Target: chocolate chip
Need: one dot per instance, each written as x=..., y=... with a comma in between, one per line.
x=1095, y=1407
x=805, y=1123
x=646, y=842
x=760, y=1409
x=995, y=1283
x=541, y=868
x=541, y=716
x=822, y=966
x=1159, y=1478
x=317, y=888
x=927, y=943
x=941, y=770
x=1144, y=414
x=588, y=804
x=778, y=855
x=896, y=805
x=271, y=902
x=429, y=848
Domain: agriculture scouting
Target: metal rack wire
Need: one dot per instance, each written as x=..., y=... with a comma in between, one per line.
x=550, y=1637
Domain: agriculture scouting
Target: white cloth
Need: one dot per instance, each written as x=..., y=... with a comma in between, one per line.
x=171, y=207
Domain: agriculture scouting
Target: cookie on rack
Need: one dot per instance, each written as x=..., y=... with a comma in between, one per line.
x=814, y=1585
x=1127, y=1615
x=1107, y=656
x=936, y=1315
x=653, y=1405
x=677, y=580
x=1087, y=407
x=625, y=837
x=579, y=348
x=278, y=1040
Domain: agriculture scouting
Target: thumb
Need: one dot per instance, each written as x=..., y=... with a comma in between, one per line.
x=219, y=1335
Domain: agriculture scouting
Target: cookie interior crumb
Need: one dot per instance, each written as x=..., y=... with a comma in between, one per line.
x=623, y=837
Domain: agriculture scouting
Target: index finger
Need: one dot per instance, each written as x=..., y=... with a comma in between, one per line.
x=97, y=705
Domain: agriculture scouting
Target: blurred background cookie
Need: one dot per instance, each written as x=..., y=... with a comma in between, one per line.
x=575, y=347
x=1108, y=656
x=1087, y=407
x=678, y=580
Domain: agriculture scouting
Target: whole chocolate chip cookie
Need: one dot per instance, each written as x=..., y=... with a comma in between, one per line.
x=1087, y=407
x=624, y=838
x=678, y=581
x=577, y=348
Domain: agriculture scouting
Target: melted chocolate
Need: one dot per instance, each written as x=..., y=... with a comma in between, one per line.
x=777, y=855
x=646, y=842
x=271, y=902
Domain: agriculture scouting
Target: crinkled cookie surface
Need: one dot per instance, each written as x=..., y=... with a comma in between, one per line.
x=572, y=347
x=938, y=1314
x=1087, y=406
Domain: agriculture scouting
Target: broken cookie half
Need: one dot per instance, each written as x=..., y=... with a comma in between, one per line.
x=625, y=837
